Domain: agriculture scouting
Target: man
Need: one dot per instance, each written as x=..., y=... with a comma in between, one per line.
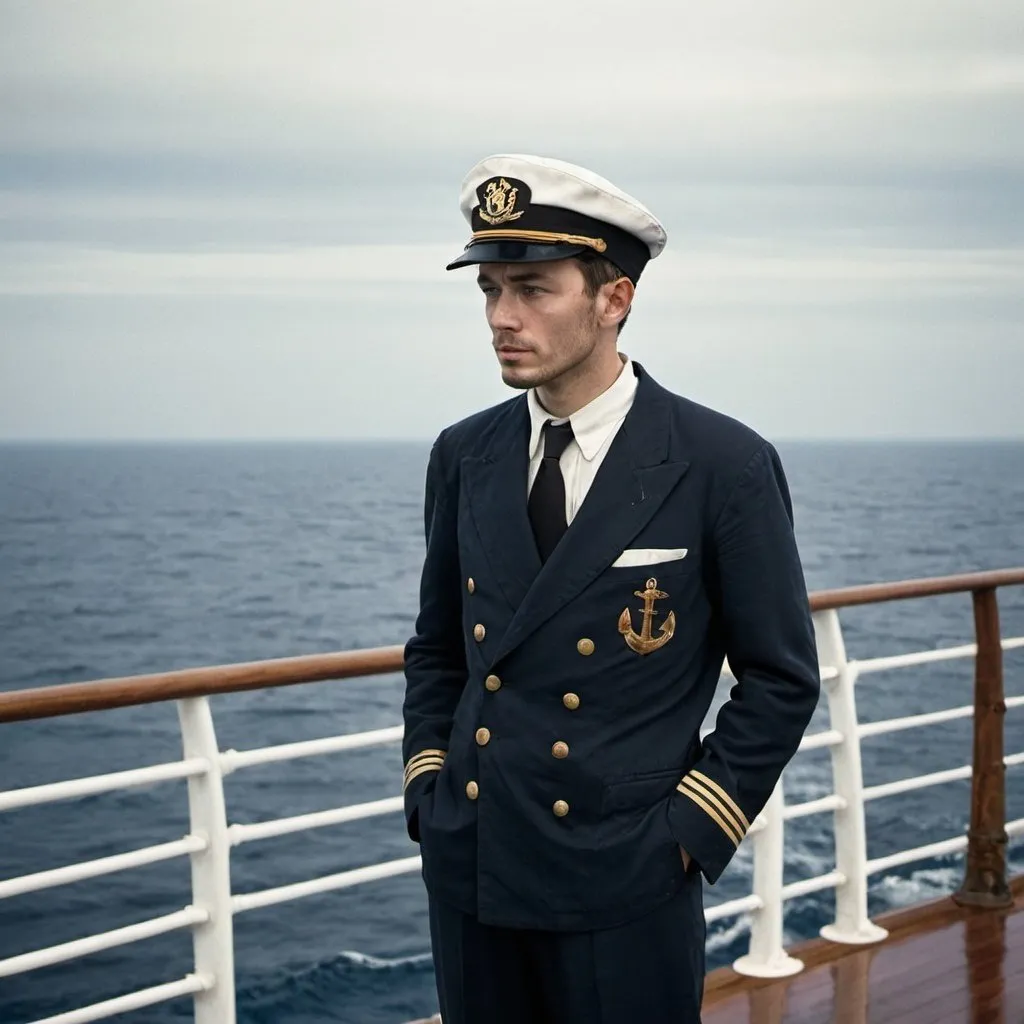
x=595, y=549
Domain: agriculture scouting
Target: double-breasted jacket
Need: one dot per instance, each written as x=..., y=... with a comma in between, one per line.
x=554, y=765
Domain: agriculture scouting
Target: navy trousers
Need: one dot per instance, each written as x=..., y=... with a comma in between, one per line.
x=650, y=969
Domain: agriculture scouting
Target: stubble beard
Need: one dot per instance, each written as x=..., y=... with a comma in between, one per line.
x=584, y=340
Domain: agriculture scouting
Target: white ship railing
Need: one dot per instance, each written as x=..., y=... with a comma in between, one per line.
x=210, y=913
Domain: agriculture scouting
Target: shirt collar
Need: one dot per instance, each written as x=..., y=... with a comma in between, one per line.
x=592, y=424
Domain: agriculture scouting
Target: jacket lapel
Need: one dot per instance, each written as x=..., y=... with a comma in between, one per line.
x=496, y=491
x=631, y=484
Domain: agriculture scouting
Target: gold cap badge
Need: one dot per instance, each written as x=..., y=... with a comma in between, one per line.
x=498, y=202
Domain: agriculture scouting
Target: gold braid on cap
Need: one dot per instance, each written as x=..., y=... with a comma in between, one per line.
x=519, y=235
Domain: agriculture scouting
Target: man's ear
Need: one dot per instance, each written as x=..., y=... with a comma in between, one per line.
x=618, y=297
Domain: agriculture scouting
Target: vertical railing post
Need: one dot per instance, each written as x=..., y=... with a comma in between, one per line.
x=213, y=942
x=767, y=958
x=984, y=883
x=852, y=924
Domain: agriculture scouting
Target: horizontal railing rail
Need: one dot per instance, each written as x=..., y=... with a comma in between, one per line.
x=103, y=866
x=211, y=838
x=74, y=789
x=186, y=918
x=191, y=984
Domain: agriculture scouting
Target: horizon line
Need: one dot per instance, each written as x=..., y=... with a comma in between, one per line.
x=426, y=439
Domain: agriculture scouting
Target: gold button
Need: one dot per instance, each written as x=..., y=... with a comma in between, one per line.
x=561, y=808
x=472, y=790
x=471, y=584
x=493, y=683
x=560, y=749
x=483, y=737
x=571, y=701
x=479, y=632
x=585, y=646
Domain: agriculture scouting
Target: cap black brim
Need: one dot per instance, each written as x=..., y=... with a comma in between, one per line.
x=513, y=252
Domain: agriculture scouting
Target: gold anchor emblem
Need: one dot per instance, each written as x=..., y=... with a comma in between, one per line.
x=643, y=642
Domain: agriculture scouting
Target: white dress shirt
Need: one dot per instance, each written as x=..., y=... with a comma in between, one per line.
x=593, y=427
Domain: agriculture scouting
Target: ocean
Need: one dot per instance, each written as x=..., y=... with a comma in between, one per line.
x=123, y=559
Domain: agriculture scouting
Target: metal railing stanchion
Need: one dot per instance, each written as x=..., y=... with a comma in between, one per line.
x=852, y=924
x=213, y=942
x=766, y=956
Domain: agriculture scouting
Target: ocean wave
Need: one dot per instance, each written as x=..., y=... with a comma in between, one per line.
x=346, y=982
x=922, y=885
x=377, y=963
x=346, y=963
x=724, y=936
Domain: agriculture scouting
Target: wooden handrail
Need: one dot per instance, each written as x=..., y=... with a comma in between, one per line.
x=101, y=695
x=876, y=593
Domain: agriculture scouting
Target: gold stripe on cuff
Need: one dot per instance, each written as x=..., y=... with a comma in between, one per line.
x=730, y=803
x=711, y=813
x=424, y=753
x=419, y=771
x=433, y=759
x=706, y=793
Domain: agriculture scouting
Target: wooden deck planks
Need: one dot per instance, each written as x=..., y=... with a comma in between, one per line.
x=941, y=963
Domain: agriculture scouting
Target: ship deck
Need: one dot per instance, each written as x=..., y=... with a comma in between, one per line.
x=940, y=964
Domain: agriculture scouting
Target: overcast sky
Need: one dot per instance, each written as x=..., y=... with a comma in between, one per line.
x=231, y=219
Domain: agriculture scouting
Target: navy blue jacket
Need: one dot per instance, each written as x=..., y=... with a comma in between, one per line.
x=552, y=770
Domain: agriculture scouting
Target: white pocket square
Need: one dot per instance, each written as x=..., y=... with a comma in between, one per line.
x=648, y=556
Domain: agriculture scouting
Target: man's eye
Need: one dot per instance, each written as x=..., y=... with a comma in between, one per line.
x=531, y=290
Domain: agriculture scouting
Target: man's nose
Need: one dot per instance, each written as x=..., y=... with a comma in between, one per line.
x=503, y=313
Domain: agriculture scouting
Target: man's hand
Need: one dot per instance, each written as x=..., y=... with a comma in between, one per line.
x=686, y=858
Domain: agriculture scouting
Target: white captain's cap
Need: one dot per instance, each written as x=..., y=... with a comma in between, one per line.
x=524, y=209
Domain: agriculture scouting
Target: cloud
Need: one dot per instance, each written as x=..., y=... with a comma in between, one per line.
x=216, y=196
x=759, y=272
x=34, y=269
x=313, y=92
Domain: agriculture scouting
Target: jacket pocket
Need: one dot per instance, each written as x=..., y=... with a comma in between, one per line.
x=644, y=558
x=639, y=792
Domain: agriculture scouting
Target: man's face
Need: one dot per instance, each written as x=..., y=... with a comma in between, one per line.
x=542, y=321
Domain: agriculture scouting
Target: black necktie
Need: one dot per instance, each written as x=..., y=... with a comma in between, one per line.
x=547, y=498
